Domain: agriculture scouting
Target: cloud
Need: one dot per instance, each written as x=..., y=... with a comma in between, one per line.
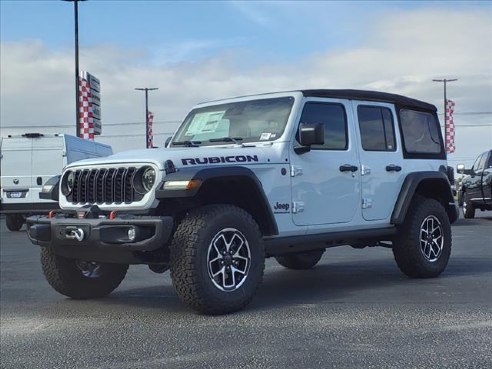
x=400, y=55
x=253, y=13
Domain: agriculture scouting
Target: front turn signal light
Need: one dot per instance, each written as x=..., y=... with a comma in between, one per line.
x=182, y=185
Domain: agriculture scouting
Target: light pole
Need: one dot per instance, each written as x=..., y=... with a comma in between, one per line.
x=146, y=89
x=445, y=81
x=76, y=19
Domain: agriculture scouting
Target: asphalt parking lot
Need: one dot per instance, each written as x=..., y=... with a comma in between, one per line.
x=355, y=309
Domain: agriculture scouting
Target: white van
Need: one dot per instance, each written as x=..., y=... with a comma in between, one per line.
x=28, y=161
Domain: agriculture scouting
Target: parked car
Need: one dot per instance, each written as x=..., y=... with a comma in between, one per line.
x=476, y=187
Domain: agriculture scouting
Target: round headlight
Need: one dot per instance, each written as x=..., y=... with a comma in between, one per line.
x=70, y=180
x=148, y=179
x=67, y=183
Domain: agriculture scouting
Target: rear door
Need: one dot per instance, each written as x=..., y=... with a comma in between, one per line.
x=47, y=162
x=16, y=169
x=382, y=170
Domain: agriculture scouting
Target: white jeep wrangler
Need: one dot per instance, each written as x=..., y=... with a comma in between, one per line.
x=282, y=174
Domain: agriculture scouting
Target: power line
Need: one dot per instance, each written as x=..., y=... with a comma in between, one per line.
x=104, y=124
x=471, y=113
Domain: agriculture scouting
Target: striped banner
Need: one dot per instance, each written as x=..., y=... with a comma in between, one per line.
x=150, y=142
x=86, y=123
x=450, y=126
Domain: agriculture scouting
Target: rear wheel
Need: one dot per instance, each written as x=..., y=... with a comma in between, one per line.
x=423, y=244
x=14, y=222
x=468, y=208
x=81, y=279
x=301, y=260
x=217, y=259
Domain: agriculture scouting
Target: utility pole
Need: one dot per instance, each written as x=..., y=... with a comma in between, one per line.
x=445, y=81
x=147, y=89
x=76, y=18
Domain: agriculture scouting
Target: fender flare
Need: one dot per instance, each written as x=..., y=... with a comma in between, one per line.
x=202, y=175
x=409, y=187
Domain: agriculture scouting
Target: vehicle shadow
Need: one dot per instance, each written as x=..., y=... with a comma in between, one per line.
x=326, y=283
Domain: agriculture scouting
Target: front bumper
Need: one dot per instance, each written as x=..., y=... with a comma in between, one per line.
x=100, y=239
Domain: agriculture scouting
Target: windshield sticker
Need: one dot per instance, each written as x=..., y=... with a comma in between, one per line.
x=265, y=136
x=204, y=123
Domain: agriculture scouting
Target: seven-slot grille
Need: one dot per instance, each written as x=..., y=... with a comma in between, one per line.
x=104, y=185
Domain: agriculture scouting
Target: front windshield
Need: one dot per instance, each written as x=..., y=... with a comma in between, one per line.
x=238, y=122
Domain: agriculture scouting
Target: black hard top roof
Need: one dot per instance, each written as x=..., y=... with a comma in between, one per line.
x=401, y=101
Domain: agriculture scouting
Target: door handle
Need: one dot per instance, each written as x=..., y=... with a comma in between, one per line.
x=393, y=168
x=348, y=168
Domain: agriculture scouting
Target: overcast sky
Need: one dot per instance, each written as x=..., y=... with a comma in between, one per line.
x=198, y=51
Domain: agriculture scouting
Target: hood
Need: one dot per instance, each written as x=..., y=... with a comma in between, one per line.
x=189, y=156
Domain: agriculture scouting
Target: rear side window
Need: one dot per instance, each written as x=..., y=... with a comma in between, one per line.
x=333, y=117
x=420, y=132
x=376, y=128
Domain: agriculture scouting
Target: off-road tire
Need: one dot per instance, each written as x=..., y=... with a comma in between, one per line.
x=14, y=222
x=190, y=254
x=301, y=260
x=407, y=247
x=65, y=276
x=468, y=208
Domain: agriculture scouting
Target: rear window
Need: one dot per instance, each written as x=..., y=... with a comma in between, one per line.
x=420, y=132
x=376, y=128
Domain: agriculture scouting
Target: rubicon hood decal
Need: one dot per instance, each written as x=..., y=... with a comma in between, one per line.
x=220, y=159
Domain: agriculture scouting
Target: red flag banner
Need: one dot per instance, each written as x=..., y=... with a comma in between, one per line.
x=150, y=142
x=86, y=123
x=449, y=126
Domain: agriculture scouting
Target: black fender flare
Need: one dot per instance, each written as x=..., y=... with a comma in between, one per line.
x=409, y=187
x=51, y=189
x=202, y=175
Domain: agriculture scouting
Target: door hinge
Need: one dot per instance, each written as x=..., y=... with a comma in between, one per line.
x=366, y=203
x=297, y=207
x=295, y=171
x=364, y=170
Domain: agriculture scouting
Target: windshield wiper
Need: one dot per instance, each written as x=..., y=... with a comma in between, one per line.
x=227, y=139
x=187, y=143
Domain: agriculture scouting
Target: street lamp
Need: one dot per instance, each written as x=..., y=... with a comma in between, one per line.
x=445, y=81
x=76, y=17
x=146, y=89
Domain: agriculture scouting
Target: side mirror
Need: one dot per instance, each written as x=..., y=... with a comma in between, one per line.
x=311, y=134
x=167, y=141
x=460, y=168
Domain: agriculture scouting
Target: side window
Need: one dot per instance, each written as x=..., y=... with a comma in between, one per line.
x=334, y=118
x=420, y=132
x=376, y=128
x=481, y=162
x=489, y=164
x=476, y=164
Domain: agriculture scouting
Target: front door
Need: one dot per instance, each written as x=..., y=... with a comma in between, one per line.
x=474, y=190
x=382, y=168
x=326, y=180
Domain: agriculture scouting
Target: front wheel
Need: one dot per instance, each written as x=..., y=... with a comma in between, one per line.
x=80, y=279
x=468, y=208
x=423, y=243
x=217, y=259
x=301, y=260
